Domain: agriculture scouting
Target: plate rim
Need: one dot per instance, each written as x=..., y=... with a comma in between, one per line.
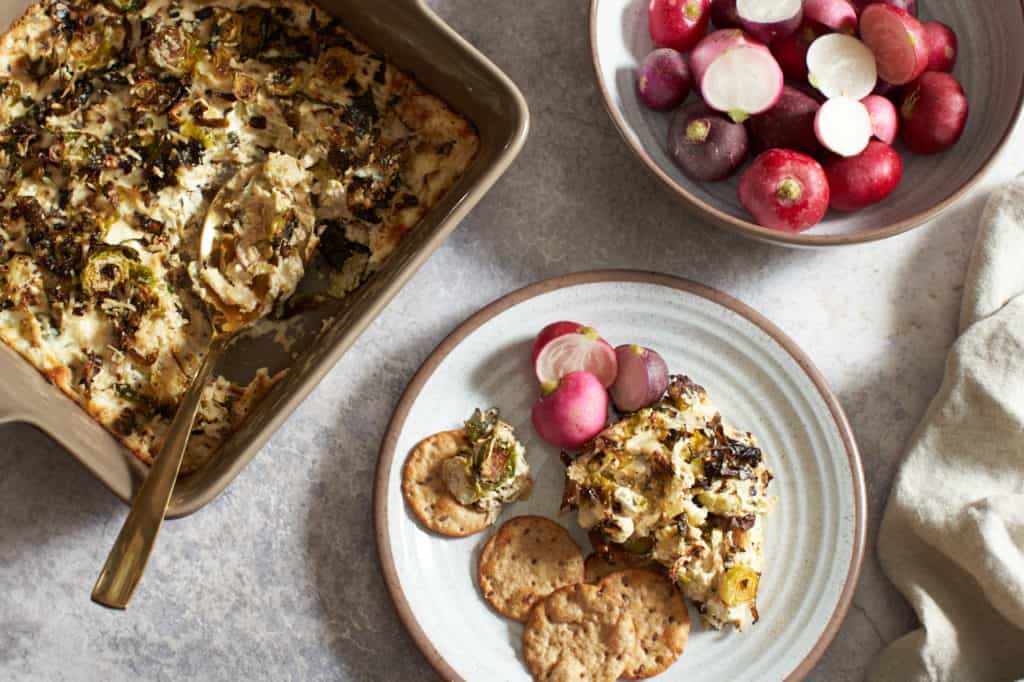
x=386, y=456
x=796, y=239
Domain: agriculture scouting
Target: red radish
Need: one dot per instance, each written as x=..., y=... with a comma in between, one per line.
x=909, y=6
x=736, y=74
x=841, y=66
x=664, y=80
x=865, y=179
x=942, y=46
x=706, y=145
x=887, y=89
x=787, y=125
x=791, y=51
x=723, y=14
x=934, y=112
x=885, y=121
x=679, y=24
x=838, y=15
x=767, y=20
x=583, y=349
x=843, y=125
x=552, y=332
x=897, y=40
x=643, y=377
x=572, y=410
x=785, y=190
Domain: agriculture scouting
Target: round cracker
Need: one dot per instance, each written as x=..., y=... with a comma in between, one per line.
x=526, y=560
x=597, y=566
x=659, y=614
x=578, y=633
x=428, y=497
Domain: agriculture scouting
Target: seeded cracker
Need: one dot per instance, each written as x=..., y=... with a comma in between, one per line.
x=578, y=633
x=425, y=492
x=597, y=566
x=526, y=560
x=659, y=615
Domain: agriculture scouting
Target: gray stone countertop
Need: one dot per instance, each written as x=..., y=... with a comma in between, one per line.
x=278, y=578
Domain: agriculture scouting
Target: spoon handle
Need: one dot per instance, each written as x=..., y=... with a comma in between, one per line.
x=127, y=559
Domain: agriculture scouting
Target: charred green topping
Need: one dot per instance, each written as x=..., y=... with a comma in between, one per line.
x=119, y=122
x=492, y=468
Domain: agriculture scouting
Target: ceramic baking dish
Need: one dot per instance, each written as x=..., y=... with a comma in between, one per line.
x=416, y=40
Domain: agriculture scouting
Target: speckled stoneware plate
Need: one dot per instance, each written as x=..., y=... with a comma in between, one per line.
x=990, y=66
x=758, y=377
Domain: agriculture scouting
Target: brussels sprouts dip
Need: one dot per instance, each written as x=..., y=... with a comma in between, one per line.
x=121, y=120
x=676, y=484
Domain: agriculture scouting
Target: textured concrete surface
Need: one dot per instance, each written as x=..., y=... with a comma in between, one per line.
x=278, y=578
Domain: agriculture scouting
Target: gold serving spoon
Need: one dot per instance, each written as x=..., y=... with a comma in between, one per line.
x=246, y=238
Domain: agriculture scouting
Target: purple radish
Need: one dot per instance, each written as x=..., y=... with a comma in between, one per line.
x=643, y=377
x=572, y=410
x=838, y=15
x=843, y=125
x=787, y=125
x=581, y=350
x=706, y=145
x=885, y=120
x=723, y=14
x=664, y=80
x=841, y=66
x=735, y=74
x=767, y=20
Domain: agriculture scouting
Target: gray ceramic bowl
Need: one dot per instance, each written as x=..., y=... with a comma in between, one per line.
x=990, y=67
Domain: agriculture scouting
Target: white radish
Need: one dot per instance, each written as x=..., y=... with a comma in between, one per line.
x=843, y=125
x=841, y=66
x=736, y=75
x=580, y=351
x=767, y=20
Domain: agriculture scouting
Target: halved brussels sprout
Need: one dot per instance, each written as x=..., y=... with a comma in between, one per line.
x=738, y=586
x=156, y=95
x=111, y=266
x=173, y=49
x=96, y=45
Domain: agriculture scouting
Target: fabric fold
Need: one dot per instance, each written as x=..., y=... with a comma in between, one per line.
x=952, y=537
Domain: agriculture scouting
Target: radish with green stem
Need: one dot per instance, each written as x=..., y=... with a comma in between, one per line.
x=678, y=24
x=785, y=190
x=767, y=20
x=643, y=377
x=572, y=410
x=942, y=46
x=706, y=145
x=863, y=180
x=843, y=126
x=838, y=15
x=841, y=66
x=897, y=40
x=664, y=80
x=736, y=74
x=885, y=121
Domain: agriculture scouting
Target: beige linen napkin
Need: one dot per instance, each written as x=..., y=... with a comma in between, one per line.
x=952, y=539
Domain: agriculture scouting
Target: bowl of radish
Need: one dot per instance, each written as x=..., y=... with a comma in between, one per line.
x=813, y=122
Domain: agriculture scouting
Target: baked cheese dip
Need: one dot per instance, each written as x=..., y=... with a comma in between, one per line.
x=491, y=469
x=676, y=483
x=119, y=123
